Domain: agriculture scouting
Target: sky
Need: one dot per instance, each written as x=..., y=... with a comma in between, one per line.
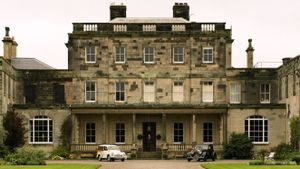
x=41, y=27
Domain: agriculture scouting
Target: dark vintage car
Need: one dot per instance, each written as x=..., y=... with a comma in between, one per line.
x=202, y=152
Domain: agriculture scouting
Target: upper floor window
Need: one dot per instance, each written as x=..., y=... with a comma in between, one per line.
x=178, y=132
x=90, y=132
x=235, y=93
x=207, y=91
x=90, y=54
x=207, y=55
x=41, y=130
x=178, y=54
x=58, y=94
x=256, y=128
x=178, y=91
x=120, y=55
x=120, y=132
x=265, y=93
x=120, y=91
x=149, y=54
x=149, y=91
x=90, y=91
x=30, y=94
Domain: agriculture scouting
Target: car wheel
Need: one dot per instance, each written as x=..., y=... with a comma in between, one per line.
x=122, y=159
x=189, y=160
x=108, y=158
x=99, y=158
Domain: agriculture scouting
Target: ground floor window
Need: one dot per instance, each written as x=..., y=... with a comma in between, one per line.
x=41, y=129
x=178, y=132
x=120, y=132
x=256, y=128
x=207, y=132
x=90, y=132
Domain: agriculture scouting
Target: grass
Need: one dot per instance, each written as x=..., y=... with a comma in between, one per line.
x=246, y=166
x=51, y=166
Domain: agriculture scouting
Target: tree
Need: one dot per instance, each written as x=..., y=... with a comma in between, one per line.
x=239, y=146
x=13, y=124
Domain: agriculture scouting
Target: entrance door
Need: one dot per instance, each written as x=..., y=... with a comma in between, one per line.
x=149, y=136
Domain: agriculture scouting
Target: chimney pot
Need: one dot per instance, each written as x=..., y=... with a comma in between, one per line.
x=6, y=31
x=249, y=51
x=181, y=10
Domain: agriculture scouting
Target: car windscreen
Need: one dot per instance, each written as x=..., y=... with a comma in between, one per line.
x=113, y=148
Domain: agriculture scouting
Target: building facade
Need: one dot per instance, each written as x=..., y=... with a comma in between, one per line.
x=148, y=85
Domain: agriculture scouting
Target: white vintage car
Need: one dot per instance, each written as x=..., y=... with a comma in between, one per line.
x=110, y=152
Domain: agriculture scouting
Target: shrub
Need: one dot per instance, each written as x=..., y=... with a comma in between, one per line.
x=13, y=124
x=66, y=132
x=61, y=152
x=296, y=158
x=260, y=155
x=3, y=151
x=256, y=162
x=26, y=156
x=239, y=146
x=282, y=151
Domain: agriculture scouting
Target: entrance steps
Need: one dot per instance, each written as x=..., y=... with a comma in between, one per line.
x=149, y=155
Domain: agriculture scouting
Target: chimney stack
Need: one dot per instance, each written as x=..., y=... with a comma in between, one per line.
x=181, y=10
x=9, y=45
x=117, y=11
x=249, y=51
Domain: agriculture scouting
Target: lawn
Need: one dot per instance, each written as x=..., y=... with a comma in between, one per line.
x=51, y=166
x=246, y=166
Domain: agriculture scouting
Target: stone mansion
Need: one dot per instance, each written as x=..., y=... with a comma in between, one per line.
x=149, y=84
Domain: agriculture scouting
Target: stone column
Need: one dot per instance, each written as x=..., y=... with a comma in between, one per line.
x=133, y=128
x=104, y=129
x=194, y=129
x=163, y=128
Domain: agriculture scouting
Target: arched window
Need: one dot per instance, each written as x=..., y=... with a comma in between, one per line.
x=256, y=128
x=41, y=130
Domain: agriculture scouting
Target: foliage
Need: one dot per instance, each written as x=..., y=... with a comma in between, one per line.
x=295, y=132
x=296, y=158
x=239, y=146
x=282, y=151
x=53, y=166
x=257, y=162
x=26, y=156
x=61, y=152
x=66, y=132
x=3, y=151
x=261, y=154
x=13, y=124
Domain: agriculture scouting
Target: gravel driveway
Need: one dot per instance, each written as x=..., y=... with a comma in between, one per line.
x=137, y=164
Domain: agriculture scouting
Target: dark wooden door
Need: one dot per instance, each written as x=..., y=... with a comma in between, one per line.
x=149, y=136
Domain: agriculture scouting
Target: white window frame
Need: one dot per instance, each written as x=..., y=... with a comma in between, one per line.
x=119, y=90
x=265, y=134
x=89, y=52
x=177, y=54
x=32, y=132
x=120, y=136
x=235, y=93
x=91, y=92
x=85, y=132
x=264, y=94
x=206, y=57
x=212, y=132
x=205, y=93
x=118, y=54
x=149, y=94
x=148, y=54
x=178, y=91
x=178, y=134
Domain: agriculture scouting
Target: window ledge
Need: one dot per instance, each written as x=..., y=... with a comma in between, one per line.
x=40, y=143
x=260, y=143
